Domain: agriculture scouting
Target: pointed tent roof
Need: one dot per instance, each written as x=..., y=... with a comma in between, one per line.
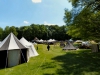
x=11, y=42
x=24, y=41
x=40, y=40
x=69, y=46
x=32, y=50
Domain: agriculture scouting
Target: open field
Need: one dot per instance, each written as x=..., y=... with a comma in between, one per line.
x=58, y=62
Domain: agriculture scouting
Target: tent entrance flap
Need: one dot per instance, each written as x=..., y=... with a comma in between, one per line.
x=13, y=57
x=3, y=56
x=23, y=55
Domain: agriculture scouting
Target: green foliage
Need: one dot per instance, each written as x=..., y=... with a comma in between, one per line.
x=1, y=33
x=13, y=30
x=83, y=3
x=68, y=17
x=8, y=30
x=25, y=31
x=84, y=23
x=44, y=32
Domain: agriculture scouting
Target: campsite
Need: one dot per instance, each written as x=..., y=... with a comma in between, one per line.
x=50, y=37
x=58, y=62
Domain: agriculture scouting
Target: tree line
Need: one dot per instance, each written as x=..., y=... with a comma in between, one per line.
x=44, y=32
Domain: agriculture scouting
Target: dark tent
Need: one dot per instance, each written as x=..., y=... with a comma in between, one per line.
x=69, y=46
x=12, y=52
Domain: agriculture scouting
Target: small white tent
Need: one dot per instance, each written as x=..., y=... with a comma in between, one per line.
x=31, y=49
x=12, y=52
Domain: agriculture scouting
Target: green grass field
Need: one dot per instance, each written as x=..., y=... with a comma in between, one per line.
x=58, y=62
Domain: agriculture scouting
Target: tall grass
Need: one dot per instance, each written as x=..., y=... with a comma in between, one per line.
x=58, y=62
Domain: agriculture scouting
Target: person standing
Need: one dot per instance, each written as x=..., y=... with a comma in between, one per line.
x=37, y=47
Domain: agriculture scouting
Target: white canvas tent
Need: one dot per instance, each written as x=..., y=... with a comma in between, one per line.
x=51, y=40
x=12, y=52
x=31, y=49
x=41, y=40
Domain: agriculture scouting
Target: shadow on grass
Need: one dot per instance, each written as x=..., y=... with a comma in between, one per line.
x=82, y=62
x=48, y=65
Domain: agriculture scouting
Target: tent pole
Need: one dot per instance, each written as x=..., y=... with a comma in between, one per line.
x=6, y=60
x=23, y=56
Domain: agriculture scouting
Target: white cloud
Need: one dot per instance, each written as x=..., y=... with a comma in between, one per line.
x=46, y=23
x=26, y=22
x=36, y=1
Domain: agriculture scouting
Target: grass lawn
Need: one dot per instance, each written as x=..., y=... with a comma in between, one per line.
x=58, y=62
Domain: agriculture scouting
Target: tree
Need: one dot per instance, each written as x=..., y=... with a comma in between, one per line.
x=13, y=30
x=6, y=32
x=85, y=23
x=25, y=31
x=1, y=34
x=42, y=32
x=35, y=30
x=19, y=36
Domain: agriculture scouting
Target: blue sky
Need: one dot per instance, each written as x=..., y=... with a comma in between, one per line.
x=26, y=12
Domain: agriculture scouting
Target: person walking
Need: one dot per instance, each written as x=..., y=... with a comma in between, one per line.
x=48, y=47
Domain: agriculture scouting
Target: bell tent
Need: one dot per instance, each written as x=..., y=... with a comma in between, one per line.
x=69, y=46
x=12, y=52
x=31, y=49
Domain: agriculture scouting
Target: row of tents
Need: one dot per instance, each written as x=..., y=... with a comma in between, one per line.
x=14, y=51
x=95, y=47
x=41, y=41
